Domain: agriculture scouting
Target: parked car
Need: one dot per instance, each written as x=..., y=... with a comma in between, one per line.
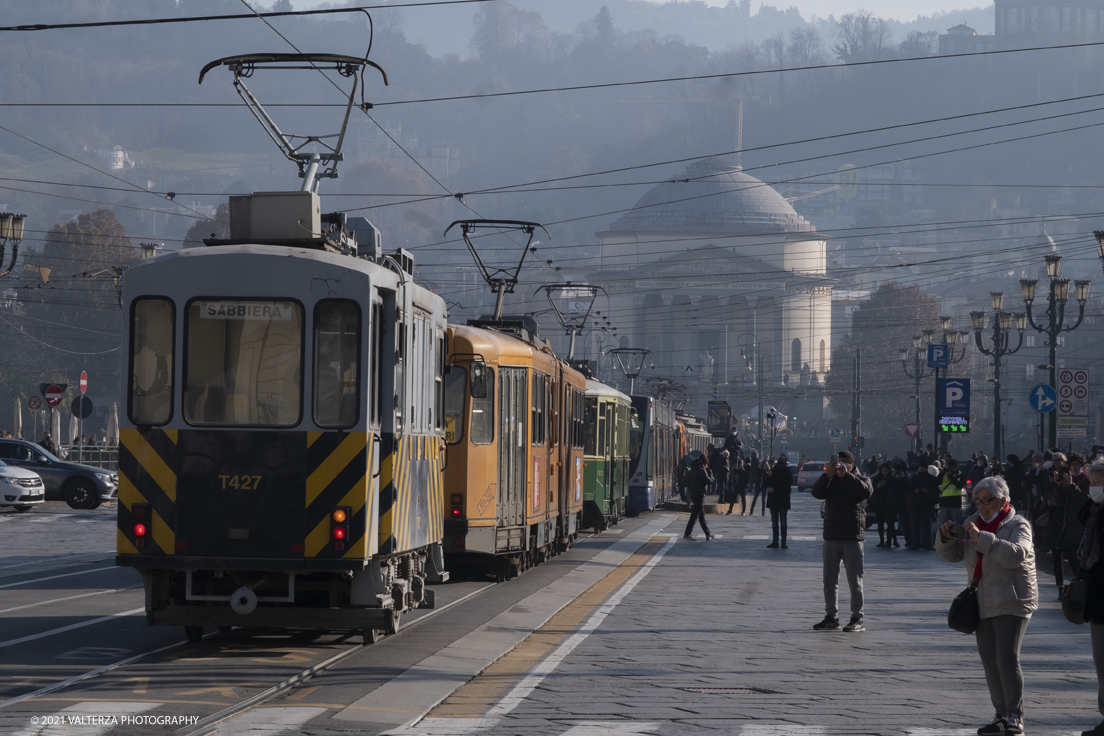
x=81, y=486
x=809, y=474
x=20, y=488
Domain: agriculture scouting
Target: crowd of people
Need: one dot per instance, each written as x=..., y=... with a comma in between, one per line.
x=995, y=517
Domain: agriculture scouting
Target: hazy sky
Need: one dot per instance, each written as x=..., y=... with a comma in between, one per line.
x=904, y=10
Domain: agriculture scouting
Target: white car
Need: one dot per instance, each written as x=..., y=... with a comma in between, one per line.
x=20, y=488
x=809, y=474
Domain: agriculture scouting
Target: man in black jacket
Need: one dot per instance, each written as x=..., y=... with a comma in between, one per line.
x=698, y=481
x=844, y=491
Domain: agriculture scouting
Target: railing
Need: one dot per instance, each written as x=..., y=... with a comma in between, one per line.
x=98, y=457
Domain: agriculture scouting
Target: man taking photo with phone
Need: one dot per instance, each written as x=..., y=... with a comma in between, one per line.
x=844, y=491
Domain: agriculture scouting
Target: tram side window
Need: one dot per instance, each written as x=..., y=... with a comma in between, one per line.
x=152, y=330
x=243, y=363
x=336, y=363
x=439, y=383
x=539, y=395
x=375, y=337
x=590, y=427
x=456, y=383
x=483, y=397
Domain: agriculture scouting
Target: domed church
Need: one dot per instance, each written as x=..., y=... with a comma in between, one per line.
x=712, y=255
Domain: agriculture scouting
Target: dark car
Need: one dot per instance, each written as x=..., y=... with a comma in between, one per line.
x=81, y=486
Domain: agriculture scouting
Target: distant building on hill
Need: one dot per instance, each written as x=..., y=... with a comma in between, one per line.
x=1020, y=23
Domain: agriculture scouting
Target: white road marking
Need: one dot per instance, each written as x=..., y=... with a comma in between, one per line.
x=267, y=721
x=69, y=598
x=764, y=729
x=63, y=558
x=88, y=719
x=761, y=537
x=521, y=691
x=610, y=728
x=88, y=675
x=942, y=731
x=63, y=629
x=445, y=727
x=55, y=577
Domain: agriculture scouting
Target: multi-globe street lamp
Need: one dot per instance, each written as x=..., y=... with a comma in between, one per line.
x=919, y=372
x=1002, y=324
x=1055, y=323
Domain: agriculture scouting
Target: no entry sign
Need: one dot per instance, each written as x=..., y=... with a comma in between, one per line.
x=84, y=382
x=54, y=395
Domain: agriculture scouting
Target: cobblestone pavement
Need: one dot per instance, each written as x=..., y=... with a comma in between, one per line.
x=732, y=614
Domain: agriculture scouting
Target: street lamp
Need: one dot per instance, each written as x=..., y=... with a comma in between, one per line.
x=11, y=229
x=1056, y=317
x=750, y=350
x=1003, y=323
x=919, y=372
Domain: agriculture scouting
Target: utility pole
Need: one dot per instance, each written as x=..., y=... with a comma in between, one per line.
x=856, y=402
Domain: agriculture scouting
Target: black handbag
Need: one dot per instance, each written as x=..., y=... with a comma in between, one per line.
x=964, y=615
x=1073, y=601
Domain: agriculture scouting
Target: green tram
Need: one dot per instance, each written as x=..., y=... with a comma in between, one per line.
x=608, y=420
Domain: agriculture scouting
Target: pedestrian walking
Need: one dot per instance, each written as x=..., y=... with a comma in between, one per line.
x=737, y=487
x=778, y=500
x=719, y=468
x=879, y=500
x=845, y=492
x=898, y=507
x=1091, y=515
x=1000, y=561
x=758, y=485
x=698, y=482
x=924, y=491
x=1063, y=530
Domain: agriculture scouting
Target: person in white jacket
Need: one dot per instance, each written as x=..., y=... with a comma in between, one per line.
x=1000, y=558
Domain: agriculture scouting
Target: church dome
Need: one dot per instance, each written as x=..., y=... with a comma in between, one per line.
x=716, y=197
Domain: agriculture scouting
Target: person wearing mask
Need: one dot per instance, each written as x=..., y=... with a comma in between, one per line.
x=1091, y=516
x=737, y=487
x=47, y=443
x=734, y=444
x=845, y=492
x=879, y=501
x=950, y=494
x=1000, y=560
x=778, y=499
x=698, y=482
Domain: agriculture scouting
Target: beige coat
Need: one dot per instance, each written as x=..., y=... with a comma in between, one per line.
x=1007, y=586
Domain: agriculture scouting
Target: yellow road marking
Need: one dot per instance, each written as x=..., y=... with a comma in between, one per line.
x=303, y=692
x=141, y=684
x=475, y=698
x=226, y=691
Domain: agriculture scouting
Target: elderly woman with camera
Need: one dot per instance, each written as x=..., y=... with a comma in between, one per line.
x=1000, y=560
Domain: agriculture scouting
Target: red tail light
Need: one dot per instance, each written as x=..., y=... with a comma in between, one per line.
x=457, y=512
x=139, y=530
x=339, y=532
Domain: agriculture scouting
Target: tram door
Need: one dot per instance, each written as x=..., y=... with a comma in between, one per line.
x=513, y=444
x=610, y=449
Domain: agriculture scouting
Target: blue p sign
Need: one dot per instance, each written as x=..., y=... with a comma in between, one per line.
x=937, y=356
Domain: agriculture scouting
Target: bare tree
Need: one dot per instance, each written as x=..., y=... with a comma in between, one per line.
x=919, y=44
x=774, y=48
x=805, y=48
x=863, y=36
x=390, y=20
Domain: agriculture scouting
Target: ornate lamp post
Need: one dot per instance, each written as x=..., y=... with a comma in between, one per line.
x=919, y=372
x=750, y=350
x=1001, y=347
x=1056, y=318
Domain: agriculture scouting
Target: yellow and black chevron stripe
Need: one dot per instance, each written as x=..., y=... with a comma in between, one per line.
x=412, y=502
x=339, y=473
x=147, y=474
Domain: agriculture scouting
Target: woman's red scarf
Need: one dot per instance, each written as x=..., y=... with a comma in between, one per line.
x=990, y=526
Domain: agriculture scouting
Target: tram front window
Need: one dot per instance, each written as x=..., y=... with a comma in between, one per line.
x=244, y=363
x=151, y=361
